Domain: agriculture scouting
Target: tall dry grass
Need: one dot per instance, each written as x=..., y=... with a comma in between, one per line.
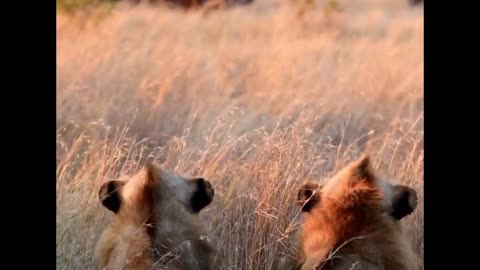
x=255, y=99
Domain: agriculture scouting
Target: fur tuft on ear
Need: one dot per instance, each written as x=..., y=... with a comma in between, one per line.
x=308, y=196
x=363, y=169
x=150, y=171
x=404, y=201
x=110, y=195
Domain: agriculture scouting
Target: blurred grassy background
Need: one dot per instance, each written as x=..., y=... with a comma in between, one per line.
x=256, y=98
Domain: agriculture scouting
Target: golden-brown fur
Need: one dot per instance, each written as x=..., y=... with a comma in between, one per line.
x=352, y=221
x=155, y=225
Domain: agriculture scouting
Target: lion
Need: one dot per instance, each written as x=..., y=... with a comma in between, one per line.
x=352, y=221
x=156, y=223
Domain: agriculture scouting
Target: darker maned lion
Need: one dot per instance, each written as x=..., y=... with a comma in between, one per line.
x=352, y=221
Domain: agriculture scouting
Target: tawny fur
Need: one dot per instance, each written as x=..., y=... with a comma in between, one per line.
x=348, y=225
x=150, y=224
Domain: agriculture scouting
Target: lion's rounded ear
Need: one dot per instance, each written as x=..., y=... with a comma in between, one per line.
x=202, y=195
x=308, y=196
x=404, y=201
x=110, y=195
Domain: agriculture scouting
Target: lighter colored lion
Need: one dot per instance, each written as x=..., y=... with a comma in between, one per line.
x=155, y=223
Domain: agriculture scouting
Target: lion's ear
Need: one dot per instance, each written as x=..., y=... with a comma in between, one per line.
x=110, y=195
x=404, y=201
x=308, y=196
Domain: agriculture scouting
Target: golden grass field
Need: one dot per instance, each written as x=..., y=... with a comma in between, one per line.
x=255, y=99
